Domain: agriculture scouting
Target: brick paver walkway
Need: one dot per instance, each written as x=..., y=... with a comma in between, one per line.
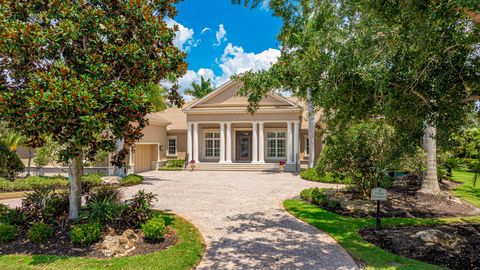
x=241, y=217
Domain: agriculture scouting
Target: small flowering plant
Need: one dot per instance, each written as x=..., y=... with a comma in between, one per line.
x=192, y=164
x=282, y=162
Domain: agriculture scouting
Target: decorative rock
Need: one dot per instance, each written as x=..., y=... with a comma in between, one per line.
x=111, y=180
x=437, y=237
x=119, y=245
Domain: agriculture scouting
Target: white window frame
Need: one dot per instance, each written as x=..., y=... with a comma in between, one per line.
x=305, y=152
x=168, y=146
x=276, y=139
x=204, y=154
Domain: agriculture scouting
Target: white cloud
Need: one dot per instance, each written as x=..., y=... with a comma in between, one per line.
x=235, y=61
x=206, y=29
x=183, y=37
x=221, y=35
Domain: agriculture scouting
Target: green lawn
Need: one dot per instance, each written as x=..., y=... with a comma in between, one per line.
x=345, y=231
x=184, y=255
x=467, y=190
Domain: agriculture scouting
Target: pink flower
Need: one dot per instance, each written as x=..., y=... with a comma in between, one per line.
x=282, y=162
x=192, y=161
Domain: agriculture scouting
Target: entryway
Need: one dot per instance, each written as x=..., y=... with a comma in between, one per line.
x=243, y=146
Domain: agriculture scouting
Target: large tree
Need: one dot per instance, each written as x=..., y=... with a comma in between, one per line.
x=78, y=72
x=416, y=64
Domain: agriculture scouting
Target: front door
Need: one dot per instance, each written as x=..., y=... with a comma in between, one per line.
x=244, y=145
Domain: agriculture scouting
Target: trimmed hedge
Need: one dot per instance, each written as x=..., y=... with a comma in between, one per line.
x=7, y=232
x=39, y=233
x=92, y=179
x=85, y=234
x=32, y=182
x=312, y=175
x=131, y=180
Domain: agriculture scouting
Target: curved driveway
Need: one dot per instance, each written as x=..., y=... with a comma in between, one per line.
x=241, y=217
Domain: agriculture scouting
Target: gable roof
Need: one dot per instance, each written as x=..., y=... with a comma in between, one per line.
x=226, y=97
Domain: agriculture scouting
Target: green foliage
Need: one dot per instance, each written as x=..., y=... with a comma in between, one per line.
x=7, y=232
x=469, y=190
x=45, y=205
x=47, y=154
x=314, y=195
x=131, y=180
x=10, y=163
x=175, y=163
x=200, y=90
x=12, y=216
x=39, y=233
x=363, y=152
x=92, y=180
x=413, y=162
x=103, y=206
x=137, y=209
x=154, y=229
x=13, y=140
x=85, y=234
x=466, y=143
x=32, y=182
x=104, y=193
x=311, y=174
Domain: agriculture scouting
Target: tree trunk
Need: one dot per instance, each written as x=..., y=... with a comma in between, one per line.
x=75, y=187
x=29, y=160
x=311, y=131
x=430, y=180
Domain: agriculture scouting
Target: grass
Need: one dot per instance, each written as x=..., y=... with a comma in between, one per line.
x=345, y=231
x=466, y=191
x=186, y=254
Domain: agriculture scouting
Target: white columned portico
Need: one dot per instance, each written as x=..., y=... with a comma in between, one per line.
x=189, y=142
x=196, y=147
x=289, y=142
x=228, y=158
x=222, y=143
x=254, y=143
x=261, y=141
x=296, y=142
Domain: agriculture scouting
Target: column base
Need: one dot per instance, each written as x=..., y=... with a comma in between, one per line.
x=261, y=162
x=228, y=162
x=255, y=162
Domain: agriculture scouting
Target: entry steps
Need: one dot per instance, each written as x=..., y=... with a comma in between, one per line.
x=209, y=166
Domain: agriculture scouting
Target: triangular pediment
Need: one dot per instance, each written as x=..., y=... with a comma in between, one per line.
x=227, y=96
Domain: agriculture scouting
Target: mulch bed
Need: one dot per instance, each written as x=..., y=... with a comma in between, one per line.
x=61, y=245
x=399, y=240
x=406, y=201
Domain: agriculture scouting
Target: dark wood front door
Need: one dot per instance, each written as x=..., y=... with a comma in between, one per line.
x=244, y=145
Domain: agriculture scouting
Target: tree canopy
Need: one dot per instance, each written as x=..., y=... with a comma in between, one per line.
x=79, y=72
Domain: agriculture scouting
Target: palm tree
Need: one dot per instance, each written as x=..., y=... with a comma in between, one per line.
x=200, y=90
x=13, y=140
x=156, y=95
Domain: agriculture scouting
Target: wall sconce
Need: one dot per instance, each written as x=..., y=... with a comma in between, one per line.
x=133, y=149
x=160, y=148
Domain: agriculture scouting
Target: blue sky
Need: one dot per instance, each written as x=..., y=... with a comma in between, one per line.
x=223, y=39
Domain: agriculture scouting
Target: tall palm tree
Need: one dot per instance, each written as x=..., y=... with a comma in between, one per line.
x=200, y=90
x=156, y=95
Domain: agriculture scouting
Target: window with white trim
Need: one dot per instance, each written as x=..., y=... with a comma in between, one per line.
x=276, y=144
x=172, y=146
x=212, y=144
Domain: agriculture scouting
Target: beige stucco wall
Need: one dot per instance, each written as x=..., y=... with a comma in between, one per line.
x=155, y=134
x=181, y=143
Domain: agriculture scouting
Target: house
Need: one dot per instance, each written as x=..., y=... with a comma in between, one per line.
x=218, y=133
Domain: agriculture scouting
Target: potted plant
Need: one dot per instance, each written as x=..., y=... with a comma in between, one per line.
x=192, y=165
x=282, y=165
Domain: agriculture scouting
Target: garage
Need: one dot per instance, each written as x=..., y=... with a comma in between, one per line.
x=145, y=157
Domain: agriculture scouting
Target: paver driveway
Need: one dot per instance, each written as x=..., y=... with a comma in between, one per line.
x=241, y=217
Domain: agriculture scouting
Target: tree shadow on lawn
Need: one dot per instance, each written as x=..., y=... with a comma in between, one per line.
x=257, y=241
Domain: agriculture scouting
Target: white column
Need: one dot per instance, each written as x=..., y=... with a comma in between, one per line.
x=296, y=141
x=131, y=164
x=254, y=143
x=189, y=142
x=228, y=158
x=222, y=143
x=261, y=145
x=196, y=147
x=289, y=142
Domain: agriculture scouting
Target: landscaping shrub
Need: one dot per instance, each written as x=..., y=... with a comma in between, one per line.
x=131, y=180
x=137, y=209
x=104, y=211
x=13, y=217
x=7, y=232
x=85, y=234
x=45, y=205
x=154, y=229
x=175, y=163
x=314, y=195
x=10, y=163
x=39, y=233
x=33, y=182
x=93, y=179
x=104, y=193
x=310, y=174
